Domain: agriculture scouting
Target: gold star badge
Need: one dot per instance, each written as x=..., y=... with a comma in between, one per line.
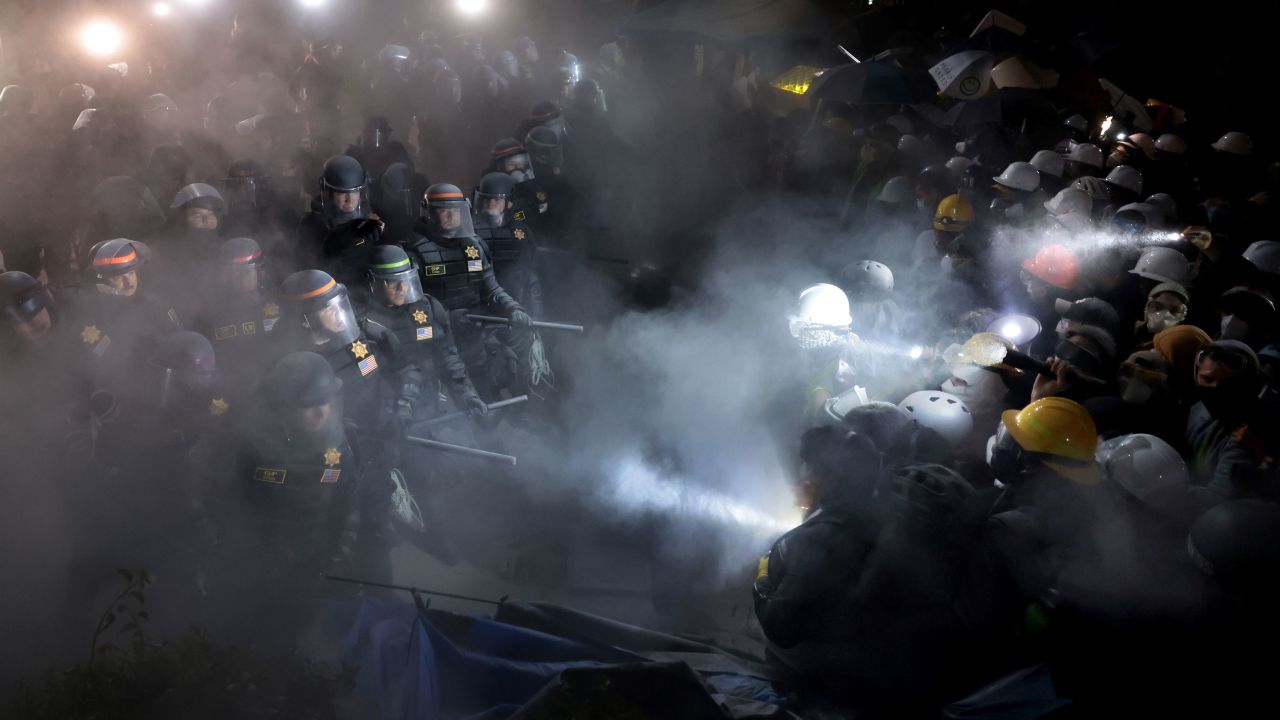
x=420, y=317
x=271, y=309
x=332, y=457
x=359, y=349
x=517, y=234
x=542, y=197
x=472, y=252
x=91, y=334
x=218, y=407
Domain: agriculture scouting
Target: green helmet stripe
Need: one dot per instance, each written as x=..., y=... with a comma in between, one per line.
x=391, y=265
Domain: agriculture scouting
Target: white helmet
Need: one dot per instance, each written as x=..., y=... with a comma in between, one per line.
x=1264, y=255
x=1088, y=154
x=981, y=389
x=868, y=275
x=1142, y=465
x=910, y=145
x=1144, y=142
x=840, y=405
x=1127, y=177
x=1069, y=200
x=1172, y=144
x=1020, y=176
x=1076, y=122
x=959, y=165
x=1165, y=203
x=941, y=412
x=1236, y=143
x=1133, y=214
x=824, y=305
x=1094, y=187
x=896, y=190
x=1163, y=265
x=1048, y=162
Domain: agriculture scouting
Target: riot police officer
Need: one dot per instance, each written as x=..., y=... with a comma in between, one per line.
x=118, y=316
x=377, y=388
x=343, y=198
x=240, y=312
x=421, y=327
x=528, y=200
x=515, y=252
x=28, y=315
x=457, y=269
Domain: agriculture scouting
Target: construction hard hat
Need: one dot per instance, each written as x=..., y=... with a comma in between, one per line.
x=1069, y=200
x=1061, y=431
x=901, y=123
x=1127, y=177
x=1235, y=143
x=1172, y=144
x=1094, y=187
x=1048, y=162
x=959, y=165
x=954, y=214
x=941, y=412
x=1164, y=203
x=1088, y=154
x=1076, y=122
x=1143, y=142
x=1163, y=264
x=823, y=305
x=1264, y=255
x=1056, y=265
x=896, y=190
x=1143, y=466
x=868, y=275
x=1019, y=176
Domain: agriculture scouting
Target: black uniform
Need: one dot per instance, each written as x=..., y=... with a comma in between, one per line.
x=243, y=331
x=515, y=262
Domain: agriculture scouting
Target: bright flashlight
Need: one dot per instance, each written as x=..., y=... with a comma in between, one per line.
x=916, y=352
x=1106, y=124
x=471, y=7
x=311, y=3
x=101, y=38
x=1121, y=136
x=161, y=9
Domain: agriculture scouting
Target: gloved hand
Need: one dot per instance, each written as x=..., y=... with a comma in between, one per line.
x=476, y=406
x=520, y=319
x=402, y=418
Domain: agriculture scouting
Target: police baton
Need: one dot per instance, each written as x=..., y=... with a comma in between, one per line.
x=414, y=590
x=461, y=450
x=462, y=413
x=494, y=320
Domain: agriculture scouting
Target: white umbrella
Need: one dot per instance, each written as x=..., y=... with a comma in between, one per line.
x=965, y=75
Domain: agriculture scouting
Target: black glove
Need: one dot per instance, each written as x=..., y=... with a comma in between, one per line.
x=402, y=418
x=520, y=319
x=476, y=406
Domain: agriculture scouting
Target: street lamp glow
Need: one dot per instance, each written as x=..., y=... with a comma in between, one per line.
x=311, y=3
x=161, y=9
x=101, y=38
x=471, y=7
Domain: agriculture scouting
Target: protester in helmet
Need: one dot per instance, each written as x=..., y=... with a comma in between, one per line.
x=1232, y=430
x=1247, y=315
x=1167, y=306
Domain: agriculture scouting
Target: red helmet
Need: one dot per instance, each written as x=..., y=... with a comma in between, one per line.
x=1055, y=265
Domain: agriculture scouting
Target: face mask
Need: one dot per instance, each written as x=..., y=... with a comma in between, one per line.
x=1160, y=320
x=492, y=218
x=1134, y=392
x=1233, y=328
x=521, y=176
x=1219, y=401
x=814, y=339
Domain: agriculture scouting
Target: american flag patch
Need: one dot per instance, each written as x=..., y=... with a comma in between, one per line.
x=475, y=266
x=330, y=475
x=367, y=365
x=101, y=348
x=425, y=333
x=268, y=323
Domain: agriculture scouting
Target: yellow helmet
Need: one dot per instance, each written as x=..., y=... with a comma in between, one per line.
x=1060, y=428
x=954, y=214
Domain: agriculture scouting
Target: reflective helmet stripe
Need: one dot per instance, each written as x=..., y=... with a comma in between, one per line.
x=391, y=265
x=446, y=196
x=247, y=258
x=99, y=262
x=317, y=292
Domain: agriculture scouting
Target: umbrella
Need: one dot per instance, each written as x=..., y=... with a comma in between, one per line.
x=1130, y=109
x=1003, y=107
x=1022, y=73
x=796, y=80
x=965, y=75
x=870, y=83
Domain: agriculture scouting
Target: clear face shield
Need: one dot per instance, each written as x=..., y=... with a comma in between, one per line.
x=30, y=318
x=334, y=321
x=491, y=210
x=348, y=204
x=316, y=425
x=519, y=167
x=450, y=219
x=396, y=289
x=548, y=155
x=557, y=125
x=242, y=278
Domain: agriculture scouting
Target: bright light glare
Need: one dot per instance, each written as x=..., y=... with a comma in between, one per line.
x=1106, y=124
x=1121, y=136
x=161, y=9
x=101, y=37
x=311, y=3
x=916, y=352
x=471, y=7
x=1010, y=330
